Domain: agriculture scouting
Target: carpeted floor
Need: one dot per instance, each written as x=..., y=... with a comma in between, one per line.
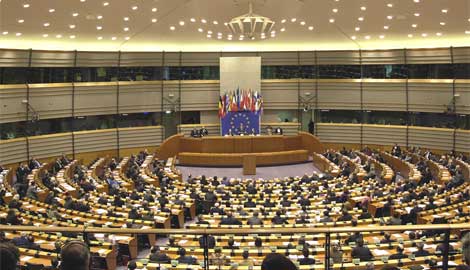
x=261, y=172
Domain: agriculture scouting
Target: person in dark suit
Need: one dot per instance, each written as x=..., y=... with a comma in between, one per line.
x=210, y=242
x=186, y=259
x=200, y=220
x=230, y=220
x=278, y=131
x=33, y=164
x=399, y=255
x=254, y=220
x=12, y=218
x=361, y=252
x=306, y=260
x=278, y=219
x=203, y=132
x=195, y=133
x=249, y=203
x=387, y=239
x=345, y=216
x=365, y=214
x=276, y=261
x=421, y=252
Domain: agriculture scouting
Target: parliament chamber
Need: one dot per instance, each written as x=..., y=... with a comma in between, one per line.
x=151, y=135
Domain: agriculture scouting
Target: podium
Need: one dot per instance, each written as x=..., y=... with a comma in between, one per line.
x=249, y=164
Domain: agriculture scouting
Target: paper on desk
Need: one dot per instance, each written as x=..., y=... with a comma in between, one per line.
x=312, y=243
x=26, y=258
x=380, y=252
x=182, y=242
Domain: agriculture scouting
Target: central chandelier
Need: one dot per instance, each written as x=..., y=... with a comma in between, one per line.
x=251, y=25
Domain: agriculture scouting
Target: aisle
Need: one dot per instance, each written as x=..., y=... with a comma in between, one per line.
x=261, y=172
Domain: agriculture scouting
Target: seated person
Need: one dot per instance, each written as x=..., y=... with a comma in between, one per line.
x=218, y=258
x=9, y=256
x=345, y=216
x=195, y=133
x=157, y=256
x=306, y=260
x=399, y=255
x=387, y=238
x=210, y=241
x=200, y=220
x=278, y=220
x=421, y=252
x=395, y=219
x=276, y=261
x=361, y=252
x=365, y=214
x=186, y=259
x=246, y=261
x=254, y=220
x=230, y=220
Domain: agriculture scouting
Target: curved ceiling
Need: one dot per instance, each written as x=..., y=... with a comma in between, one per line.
x=198, y=25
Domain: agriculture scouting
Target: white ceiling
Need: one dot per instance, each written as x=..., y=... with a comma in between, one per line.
x=51, y=24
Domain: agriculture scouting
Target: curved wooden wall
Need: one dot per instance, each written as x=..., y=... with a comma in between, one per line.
x=387, y=135
x=85, y=143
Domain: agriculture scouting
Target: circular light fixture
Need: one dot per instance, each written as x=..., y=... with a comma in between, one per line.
x=250, y=24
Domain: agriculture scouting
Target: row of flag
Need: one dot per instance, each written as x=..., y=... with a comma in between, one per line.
x=240, y=101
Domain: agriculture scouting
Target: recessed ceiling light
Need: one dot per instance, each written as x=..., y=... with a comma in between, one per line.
x=219, y=37
x=293, y=19
x=5, y=33
x=200, y=30
x=410, y=35
x=154, y=9
x=203, y=21
x=363, y=8
x=26, y=5
x=467, y=32
x=357, y=29
x=135, y=7
x=113, y=38
x=390, y=5
x=386, y=27
x=99, y=38
x=442, y=23
x=46, y=24
x=172, y=28
x=219, y=34
x=424, y=34
x=18, y=34
x=181, y=23
x=215, y=22
x=310, y=28
x=193, y=20
x=127, y=38
x=20, y=21
x=283, y=20
x=75, y=14
x=126, y=29
x=444, y=11
x=58, y=36
x=82, y=1
x=354, y=37
x=335, y=10
x=99, y=27
x=416, y=1
x=332, y=20
x=51, y=10
x=360, y=19
x=72, y=36
x=416, y=14
x=381, y=36
x=283, y=29
x=209, y=32
x=99, y=17
x=72, y=26
x=209, y=36
x=105, y=4
x=302, y=23
x=45, y=35
x=414, y=25
x=367, y=37
x=126, y=19
x=154, y=20
x=438, y=34
x=389, y=17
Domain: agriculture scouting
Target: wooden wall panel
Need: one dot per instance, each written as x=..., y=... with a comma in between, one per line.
x=338, y=58
x=141, y=136
x=53, y=58
x=200, y=59
x=95, y=98
x=384, y=95
x=51, y=100
x=13, y=151
x=14, y=58
x=462, y=101
x=429, y=56
x=92, y=141
x=143, y=96
x=50, y=145
x=383, y=135
x=339, y=94
x=280, y=94
x=382, y=57
x=199, y=95
x=425, y=96
x=341, y=133
x=97, y=59
x=141, y=59
x=431, y=138
x=462, y=141
x=12, y=109
x=279, y=58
